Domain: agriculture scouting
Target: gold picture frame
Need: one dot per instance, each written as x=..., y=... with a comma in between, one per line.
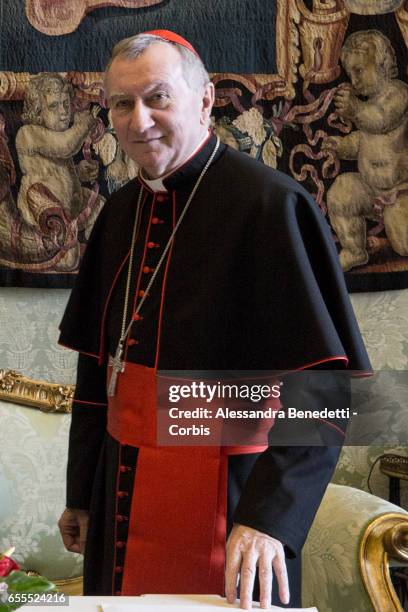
x=45, y=396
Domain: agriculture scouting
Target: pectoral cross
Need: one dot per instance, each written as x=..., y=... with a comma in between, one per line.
x=118, y=366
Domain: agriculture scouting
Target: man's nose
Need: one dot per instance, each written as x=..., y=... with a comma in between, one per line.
x=141, y=118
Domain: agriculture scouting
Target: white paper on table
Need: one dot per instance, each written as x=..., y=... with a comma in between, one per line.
x=189, y=603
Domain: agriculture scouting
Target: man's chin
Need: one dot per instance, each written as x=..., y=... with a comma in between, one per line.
x=152, y=165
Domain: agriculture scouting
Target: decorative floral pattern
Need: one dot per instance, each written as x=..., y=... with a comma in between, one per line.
x=29, y=320
x=32, y=490
x=383, y=320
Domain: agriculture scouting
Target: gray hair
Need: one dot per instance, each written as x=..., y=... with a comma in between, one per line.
x=195, y=74
x=385, y=58
x=37, y=88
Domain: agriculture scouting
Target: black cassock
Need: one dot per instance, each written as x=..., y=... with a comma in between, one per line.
x=252, y=282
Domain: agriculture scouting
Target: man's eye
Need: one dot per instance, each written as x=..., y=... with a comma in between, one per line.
x=123, y=104
x=161, y=97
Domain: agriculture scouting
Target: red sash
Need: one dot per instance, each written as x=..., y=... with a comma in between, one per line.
x=177, y=524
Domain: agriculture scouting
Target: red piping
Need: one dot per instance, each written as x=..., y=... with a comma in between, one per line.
x=164, y=288
x=336, y=358
x=343, y=433
x=102, y=331
x=141, y=263
x=105, y=308
x=116, y=513
x=325, y=360
x=72, y=348
x=78, y=401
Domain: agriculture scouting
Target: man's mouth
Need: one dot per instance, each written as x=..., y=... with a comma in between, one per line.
x=148, y=140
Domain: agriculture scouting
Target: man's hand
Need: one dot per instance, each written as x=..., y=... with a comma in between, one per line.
x=73, y=526
x=248, y=548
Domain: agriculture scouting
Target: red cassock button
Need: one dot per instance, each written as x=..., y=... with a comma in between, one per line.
x=141, y=293
x=137, y=317
x=161, y=198
x=147, y=270
x=132, y=342
x=118, y=569
x=120, y=544
x=121, y=518
x=125, y=468
x=152, y=245
x=122, y=494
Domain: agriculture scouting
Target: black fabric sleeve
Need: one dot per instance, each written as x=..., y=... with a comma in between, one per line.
x=285, y=487
x=87, y=432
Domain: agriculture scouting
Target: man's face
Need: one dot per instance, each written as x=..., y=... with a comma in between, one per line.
x=364, y=73
x=158, y=118
x=56, y=111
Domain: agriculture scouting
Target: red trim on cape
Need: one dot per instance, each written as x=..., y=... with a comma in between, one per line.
x=72, y=348
x=336, y=427
x=78, y=401
x=355, y=374
x=325, y=360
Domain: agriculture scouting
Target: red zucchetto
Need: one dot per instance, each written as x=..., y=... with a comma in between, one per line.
x=173, y=37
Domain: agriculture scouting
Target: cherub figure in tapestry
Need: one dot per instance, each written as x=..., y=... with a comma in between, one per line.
x=52, y=199
x=377, y=104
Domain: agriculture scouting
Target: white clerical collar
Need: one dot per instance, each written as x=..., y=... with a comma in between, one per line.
x=157, y=184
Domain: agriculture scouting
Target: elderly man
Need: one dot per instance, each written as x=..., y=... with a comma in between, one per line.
x=207, y=261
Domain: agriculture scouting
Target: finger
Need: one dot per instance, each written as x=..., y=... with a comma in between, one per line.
x=233, y=563
x=75, y=548
x=281, y=573
x=248, y=571
x=70, y=539
x=265, y=581
x=67, y=540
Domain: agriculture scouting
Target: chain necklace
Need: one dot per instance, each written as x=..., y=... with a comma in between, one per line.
x=117, y=363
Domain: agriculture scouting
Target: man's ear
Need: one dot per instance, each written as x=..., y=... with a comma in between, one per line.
x=207, y=103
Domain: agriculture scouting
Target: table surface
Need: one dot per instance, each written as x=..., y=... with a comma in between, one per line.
x=154, y=603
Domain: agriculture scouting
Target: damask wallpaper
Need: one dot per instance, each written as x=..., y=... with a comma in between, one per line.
x=315, y=88
x=29, y=320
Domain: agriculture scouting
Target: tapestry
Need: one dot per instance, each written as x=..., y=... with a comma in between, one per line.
x=315, y=88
